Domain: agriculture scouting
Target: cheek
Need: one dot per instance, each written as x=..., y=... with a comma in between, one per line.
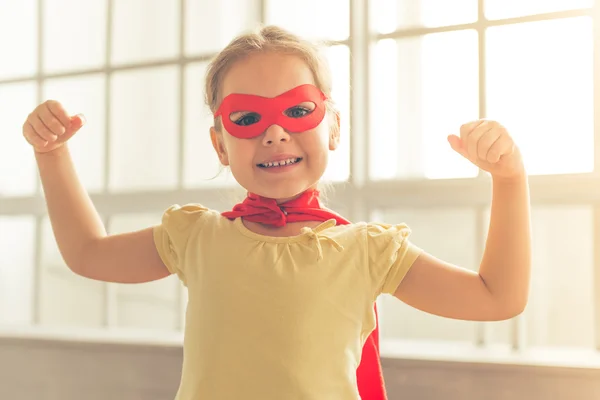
x=316, y=144
x=240, y=151
x=322, y=135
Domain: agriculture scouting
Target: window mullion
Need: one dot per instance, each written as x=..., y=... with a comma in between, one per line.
x=359, y=94
x=596, y=211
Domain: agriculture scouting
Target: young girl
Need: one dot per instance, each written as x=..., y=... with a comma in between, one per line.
x=282, y=290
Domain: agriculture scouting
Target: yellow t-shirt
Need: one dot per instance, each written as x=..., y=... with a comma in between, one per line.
x=271, y=318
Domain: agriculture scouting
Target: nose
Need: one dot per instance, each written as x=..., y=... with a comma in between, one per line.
x=275, y=134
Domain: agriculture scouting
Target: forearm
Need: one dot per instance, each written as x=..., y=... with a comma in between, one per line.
x=75, y=221
x=506, y=263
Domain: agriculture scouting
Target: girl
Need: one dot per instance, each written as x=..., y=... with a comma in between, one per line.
x=281, y=290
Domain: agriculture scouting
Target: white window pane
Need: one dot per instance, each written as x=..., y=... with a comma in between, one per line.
x=210, y=25
x=312, y=19
x=339, y=160
x=84, y=95
x=202, y=167
x=561, y=305
x=16, y=102
x=496, y=9
x=151, y=305
x=424, y=88
x=540, y=85
x=143, y=129
x=18, y=38
x=67, y=299
x=390, y=15
x=144, y=30
x=448, y=234
x=74, y=34
x=16, y=269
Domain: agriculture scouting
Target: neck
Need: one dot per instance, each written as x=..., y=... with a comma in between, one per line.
x=285, y=200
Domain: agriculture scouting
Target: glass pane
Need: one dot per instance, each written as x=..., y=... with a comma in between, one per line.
x=202, y=167
x=84, y=95
x=561, y=306
x=18, y=30
x=390, y=15
x=67, y=299
x=449, y=234
x=16, y=269
x=424, y=88
x=16, y=102
x=143, y=129
x=312, y=19
x=496, y=9
x=74, y=34
x=152, y=305
x=540, y=85
x=210, y=25
x=145, y=30
x=339, y=160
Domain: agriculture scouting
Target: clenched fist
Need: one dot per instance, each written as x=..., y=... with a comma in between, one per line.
x=488, y=145
x=49, y=126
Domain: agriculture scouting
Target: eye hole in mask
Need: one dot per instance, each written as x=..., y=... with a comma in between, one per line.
x=245, y=118
x=297, y=110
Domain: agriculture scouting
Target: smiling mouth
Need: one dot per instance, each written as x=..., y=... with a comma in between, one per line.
x=280, y=163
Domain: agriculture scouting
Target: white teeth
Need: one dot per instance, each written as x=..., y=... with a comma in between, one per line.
x=280, y=163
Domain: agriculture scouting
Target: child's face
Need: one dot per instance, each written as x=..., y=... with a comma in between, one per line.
x=251, y=160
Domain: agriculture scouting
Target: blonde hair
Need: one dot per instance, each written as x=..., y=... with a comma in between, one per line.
x=267, y=39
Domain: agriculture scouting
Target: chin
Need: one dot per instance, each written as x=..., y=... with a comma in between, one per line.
x=279, y=186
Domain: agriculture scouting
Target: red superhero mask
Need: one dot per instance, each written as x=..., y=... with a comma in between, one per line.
x=262, y=112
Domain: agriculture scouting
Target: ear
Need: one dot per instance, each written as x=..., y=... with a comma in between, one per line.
x=217, y=141
x=334, y=133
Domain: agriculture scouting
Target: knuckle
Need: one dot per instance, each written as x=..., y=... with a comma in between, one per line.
x=56, y=126
x=493, y=154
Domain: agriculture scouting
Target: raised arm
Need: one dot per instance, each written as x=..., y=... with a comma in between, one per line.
x=500, y=289
x=78, y=229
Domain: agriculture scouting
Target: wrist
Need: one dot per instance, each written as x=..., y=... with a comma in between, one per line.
x=58, y=152
x=517, y=178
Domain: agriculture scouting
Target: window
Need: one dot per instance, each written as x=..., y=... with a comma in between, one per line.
x=538, y=82
x=547, y=95
x=17, y=269
x=410, y=122
x=432, y=71
x=428, y=67
x=331, y=22
x=75, y=37
x=391, y=15
x=84, y=94
x=497, y=9
x=18, y=21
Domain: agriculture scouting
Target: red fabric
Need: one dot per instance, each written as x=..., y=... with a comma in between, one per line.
x=269, y=111
x=308, y=208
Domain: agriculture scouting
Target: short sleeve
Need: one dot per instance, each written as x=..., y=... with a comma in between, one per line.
x=390, y=257
x=171, y=237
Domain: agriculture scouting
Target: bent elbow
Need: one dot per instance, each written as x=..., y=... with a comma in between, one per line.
x=509, y=310
x=515, y=311
x=79, y=262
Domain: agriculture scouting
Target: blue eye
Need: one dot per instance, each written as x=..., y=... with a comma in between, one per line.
x=248, y=119
x=297, y=112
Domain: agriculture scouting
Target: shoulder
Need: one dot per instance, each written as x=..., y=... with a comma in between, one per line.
x=189, y=217
x=373, y=230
